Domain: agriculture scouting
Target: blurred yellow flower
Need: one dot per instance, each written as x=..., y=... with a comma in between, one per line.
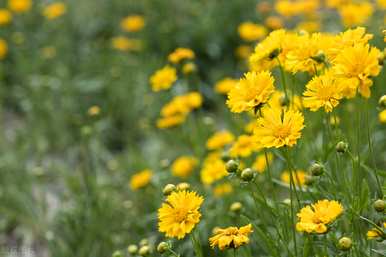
x=5, y=17
x=213, y=169
x=3, y=48
x=163, y=78
x=133, y=23
x=189, y=68
x=381, y=4
x=219, y=139
x=225, y=85
x=353, y=14
x=94, y=110
x=244, y=146
x=274, y=22
x=375, y=233
x=336, y=3
x=19, y=6
x=251, y=91
x=382, y=116
x=140, y=179
x=123, y=43
x=309, y=26
x=222, y=189
x=314, y=218
x=289, y=8
x=243, y=51
x=278, y=127
x=179, y=214
x=183, y=166
x=54, y=10
x=249, y=31
x=298, y=176
x=170, y=121
x=260, y=164
x=181, y=54
x=231, y=237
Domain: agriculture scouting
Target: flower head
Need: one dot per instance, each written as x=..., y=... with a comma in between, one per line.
x=353, y=14
x=315, y=218
x=54, y=10
x=181, y=54
x=231, y=237
x=183, y=166
x=213, y=169
x=140, y=179
x=249, y=31
x=123, y=43
x=244, y=146
x=298, y=176
x=180, y=213
x=225, y=85
x=219, y=139
x=19, y=6
x=5, y=16
x=163, y=79
x=133, y=23
x=251, y=92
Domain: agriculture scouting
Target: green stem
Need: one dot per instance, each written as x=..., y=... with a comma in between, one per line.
x=283, y=80
x=196, y=245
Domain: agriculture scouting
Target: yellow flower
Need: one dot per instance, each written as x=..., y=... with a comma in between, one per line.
x=243, y=51
x=225, y=85
x=213, y=169
x=181, y=54
x=231, y=237
x=260, y=163
x=358, y=63
x=309, y=26
x=140, y=179
x=274, y=22
x=19, y=6
x=94, y=110
x=3, y=48
x=189, y=68
x=375, y=233
x=299, y=177
x=355, y=13
x=5, y=17
x=170, y=121
x=222, y=189
x=323, y=91
x=278, y=127
x=251, y=91
x=336, y=3
x=163, y=79
x=381, y=4
x=54, y=10
x=244, y=146
x=288, y=8
x=179, y=214
x=314, y=218
x=133, y=23
x=382, y=116
x=123, y=43
x=183, y=166
x=249, y=31
x=219, y=139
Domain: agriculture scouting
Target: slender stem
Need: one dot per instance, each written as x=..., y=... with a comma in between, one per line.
x=196, y=245
x=283, y=80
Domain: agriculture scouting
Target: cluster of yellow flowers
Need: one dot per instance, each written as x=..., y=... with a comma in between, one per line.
x=131, y=24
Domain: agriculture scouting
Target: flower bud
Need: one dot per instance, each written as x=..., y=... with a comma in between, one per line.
x=345, y=243
x=232, y=166
x=236, y=207
x=309, y=180
x=144, y=242
x=382, y=101
x=132, y=249
x=144, y=250
x=316, y=169
x=247, y=174
x=379, y=205
x=168, y=189
x=162, y=247
x=225, y=156
x=287, y=201
x=189, y=68
x=341, y=147
x=183, y=186
x=117, y=254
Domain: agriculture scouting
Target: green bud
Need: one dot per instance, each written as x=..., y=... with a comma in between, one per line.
x=341, y=147
x=382, y=101
x=117, y=254
x=379, y=205
x=247, y=174
x=345, y=243
x=225, y=156
x=275, y=53
x=168, y=189
x=144, y=250
x=309, y=180
x=132, y=249
x=236, y=207
x=232, y=166
x=162, y=247
x=316, y=169
x=144, y=242
x=183, y=186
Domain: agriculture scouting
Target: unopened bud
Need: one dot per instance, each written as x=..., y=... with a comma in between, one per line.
x=162, y=247
x=117, y=254
x=379, y=205
x=382, y=101
x=225, y=156
x=132, y=249
x=168, y=189
x=341, y=147
x=247, y=174
x=183, y=186
x=309, y=180
x=316, y=169
x=144, y=250
x=236, y=207
x=144, y=242
x=232, y=166
x=345, y=243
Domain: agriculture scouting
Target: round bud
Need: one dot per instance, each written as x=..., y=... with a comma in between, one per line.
x=232, y=166
x=341, y=147
x=236, y=207
x=247, y=174
x=382, y=101
x=183, y=186
x=162, y=247
x=316, y=169
x=309, y=180
x=144, y=250
x=189, y=68
x=225, y=156
x=144, y=242
x=345, y=243
x=132, y=249
x=117, y=254
x=287, y=201
x=168, y=189
x=379, y=205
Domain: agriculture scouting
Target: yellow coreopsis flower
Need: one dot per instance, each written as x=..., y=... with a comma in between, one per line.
x=183, y=166
x=243, y=51
x=375, y=233
x=181, y=54
x=249, y=31
x=179, y=214
x=125, y=44
x=133, y=23
x=225, y=85
x=171, y=121
x=3, y=48
x=336, y=3
x=219, y=139
x=278, y=127
x=231, y=237
x=54, y=10
x=222, y=189
x=323, y=91
x=298, y=176
x=358, y=63
x=260, y=164
x=19, y=6
x=315, y=218
x=244, y=146
x=140, y=179
x=274, y=22
x=213, y=169
x=163, y=79
x=251, y=91
x=5, y=17
x=382, y=116
x=94, y=110
x=354, y=14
